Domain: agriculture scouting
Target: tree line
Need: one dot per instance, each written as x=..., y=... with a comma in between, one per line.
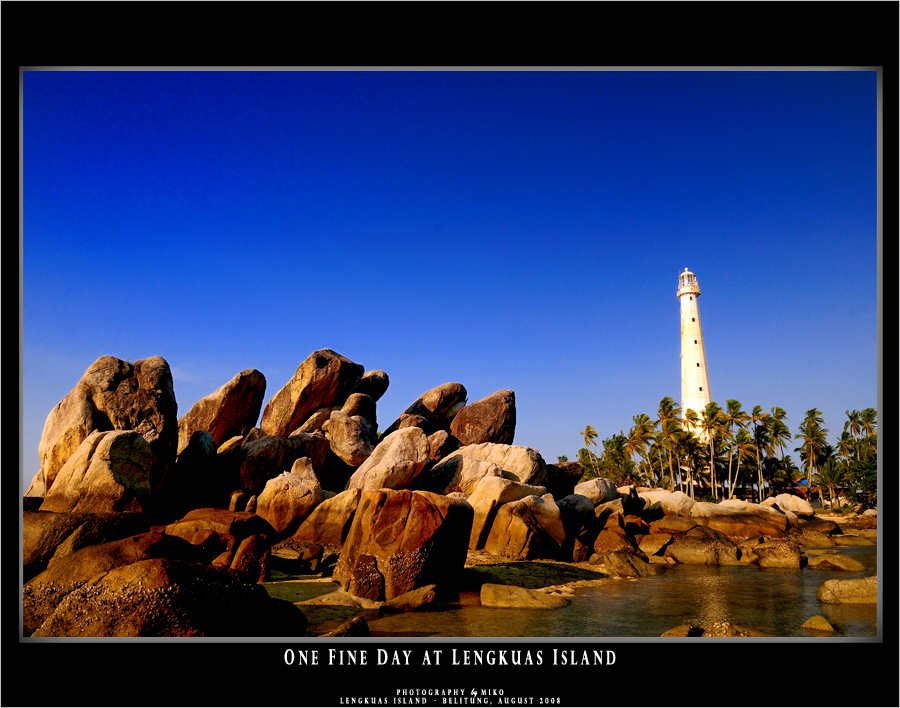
x=722, y=453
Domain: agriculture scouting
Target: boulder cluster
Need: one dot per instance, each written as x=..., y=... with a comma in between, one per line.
x=140, y=523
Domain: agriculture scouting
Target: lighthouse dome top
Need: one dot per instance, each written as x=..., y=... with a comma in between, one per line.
x=687, y=283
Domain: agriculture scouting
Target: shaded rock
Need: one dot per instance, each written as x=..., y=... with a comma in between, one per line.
x=251, y=559
x=624, y=565
x=412, y=600
x=373, y=384
x=835, y=561
x=170, y=598
x=360, y=404
x=394, y=463
x=194, y=480
x=238, y=501
x=329, y=523
x=325, y=378
x=109, y=472
x=441, y=444
x=654, y=543
x=230, y=410
x=114, y=395
x=701, y=546
x=514, y=597
x=562, y=478
x=674, y=525
x=438, y=406
x=316, y=420
x=727, y=629
x=47, y=536
x=269, y=456
x=683, y=630
x=46, y=590
x=489, y=494
x=526, y=529
x=239, y=524
x=814, y=539
x=401, y=540
x=287, y=500
x=490, y=420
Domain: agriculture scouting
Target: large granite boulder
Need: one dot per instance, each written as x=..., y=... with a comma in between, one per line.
x=329, y=523
x=490, y=420
x=46, y=590
x=515, y=597
x=793, y=503
x=171, y=598
x=438, y=407
x=457, y=473
x=238, y=524
x=741, y=521
x=599, y=490
x=526, y=529
x=287, y=500
x=325, y=378
x=491, y=492
x=108, y=472
x=230, y=410
x=394, y=463
x=562, y=478
x=703, y=546
x=364, y=406
x=260, y=460
x=834, y=561
x=114, y=395
x=401, y=540
x=856, y=590
x=676, y=504
x=523, y=463
x=350, y=440
x=372, y=383
x=48, y=536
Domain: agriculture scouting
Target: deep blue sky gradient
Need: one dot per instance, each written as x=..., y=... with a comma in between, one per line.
x=519, y=230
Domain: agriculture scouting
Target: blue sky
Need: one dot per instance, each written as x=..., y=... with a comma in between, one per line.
x=507, y=230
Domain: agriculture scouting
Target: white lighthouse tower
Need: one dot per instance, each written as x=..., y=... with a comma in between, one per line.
x=694, y=376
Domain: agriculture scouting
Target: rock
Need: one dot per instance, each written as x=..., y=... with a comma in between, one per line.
x=401, y=540
x=441, y=444
x=238, y=501
x=775, y=554
x=360, y=404
x=835, y=561
x=814, y=539
x=239, y=524
x=47, y=536
x=526, y=529
x=512, y=596
x=818, y=623
x=677, y=504
x=488, y=495
x=457, y=473
x=230, y=410
x=169, y=598
x=577, y=514
x=412, y=600
x=193, y=481
x=353, y=627
x=316, y=420
x=329, y=523
x=438, y=406
x=251, y=559
x=727, y=629
x=109, y=472
x=702, y=546
x=562, y=478
x=824, y=526
x=840, y=540
x=683, y=630
x=373, y=384
x=287, y=500
x=624, y=565
x=46, y=590
x=261, y=460
x=655, y=543
x=523, y=463
x=862, y=590
x=490, y=420
x=793, y=503
x=613, y=538
x=114, y=395
x=599, y=490
x=394, y=463
x=740, y=522
x=673, y=525
x=325, y=378
x=349, y=440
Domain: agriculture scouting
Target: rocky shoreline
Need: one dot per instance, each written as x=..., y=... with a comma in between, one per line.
x=140, y=523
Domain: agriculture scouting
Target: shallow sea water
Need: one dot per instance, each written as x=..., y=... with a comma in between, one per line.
x=774, y=601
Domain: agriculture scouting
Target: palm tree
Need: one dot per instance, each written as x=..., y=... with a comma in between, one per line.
x=733, y=416
x=761, y=438
x=854, y=423
x=813, y=444
x=831, y=475
x=846, y=445
x=868, y=421
x=640, y=436
x=712, y=423
x=746, y=452
x=781, y=434
x=667, y=417
x=590, y=438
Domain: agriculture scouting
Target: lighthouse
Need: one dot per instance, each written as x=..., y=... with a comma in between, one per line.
x=694, y=376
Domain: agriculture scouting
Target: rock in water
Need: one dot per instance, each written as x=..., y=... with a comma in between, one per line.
x=115, y=395
x=401, y=540
x=325, y=378
x=513, y=596
x=490, y=420
x=863, y=590
x=230, y=410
